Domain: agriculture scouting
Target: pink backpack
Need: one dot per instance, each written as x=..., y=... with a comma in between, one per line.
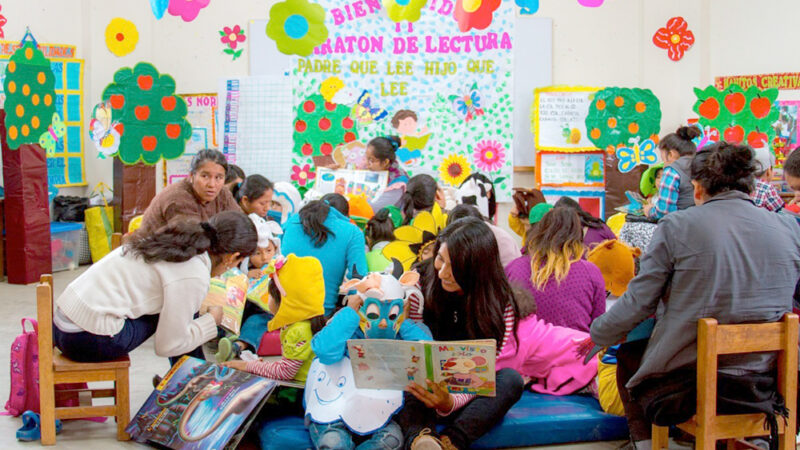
x=24, y=394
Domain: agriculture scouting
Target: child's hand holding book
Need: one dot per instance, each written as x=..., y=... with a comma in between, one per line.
x=438, y=397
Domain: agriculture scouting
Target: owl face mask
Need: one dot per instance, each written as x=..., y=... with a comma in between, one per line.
x=381, y=319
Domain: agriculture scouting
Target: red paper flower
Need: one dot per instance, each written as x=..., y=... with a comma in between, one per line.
x=303, y=175
x=2, y=23
x=474, y=13
x=676, y=38
x=232, y=36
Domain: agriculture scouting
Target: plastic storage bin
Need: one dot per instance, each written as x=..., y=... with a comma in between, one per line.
x=65, y=245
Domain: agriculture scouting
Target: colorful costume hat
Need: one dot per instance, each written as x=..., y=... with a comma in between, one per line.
x=616, y=262
x=412, y=239
x=302, y=290
x=648, y=183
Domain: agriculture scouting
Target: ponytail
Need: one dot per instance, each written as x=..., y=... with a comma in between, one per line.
x=312, y=217
x=226, y=232
x=681, y=141
x=253, y=187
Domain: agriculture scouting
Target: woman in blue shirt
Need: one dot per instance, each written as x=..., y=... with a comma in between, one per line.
x=322, y=229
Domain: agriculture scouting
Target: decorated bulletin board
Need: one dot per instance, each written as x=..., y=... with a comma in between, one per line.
x=787, y=132
x=592, y=200
x=65, y=167
x=569, y=169
x=202, y=114
x=558, y=116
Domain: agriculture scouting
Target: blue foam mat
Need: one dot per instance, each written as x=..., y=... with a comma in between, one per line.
x=536, y=419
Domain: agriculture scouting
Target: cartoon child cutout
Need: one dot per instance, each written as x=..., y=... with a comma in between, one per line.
x=413, y=138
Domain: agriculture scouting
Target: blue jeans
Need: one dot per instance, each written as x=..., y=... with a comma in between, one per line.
x=88, y=347
x=336, y=436
x=253, y=329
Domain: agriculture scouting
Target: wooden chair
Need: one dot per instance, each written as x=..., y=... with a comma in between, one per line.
x=116, y=240
x=54, y=369
x=714, y=340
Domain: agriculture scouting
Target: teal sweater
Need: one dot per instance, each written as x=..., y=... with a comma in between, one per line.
x=344, y=249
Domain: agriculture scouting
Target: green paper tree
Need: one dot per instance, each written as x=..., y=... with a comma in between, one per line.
x=152, y=116
x=738, y=116
x=30, y=96
x=618, y=115
x=320, y=126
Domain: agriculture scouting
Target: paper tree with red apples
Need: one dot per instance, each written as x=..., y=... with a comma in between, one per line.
x=738, y=116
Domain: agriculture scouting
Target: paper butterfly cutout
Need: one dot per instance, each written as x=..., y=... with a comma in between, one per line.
x=54, y=132
x=468, y=105
x=707, y=136
x=644, y=153
x=105, y=134
x=365, y=111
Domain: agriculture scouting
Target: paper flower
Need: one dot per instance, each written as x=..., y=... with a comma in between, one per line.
x=412, y=239
x=297, y=26
x=2, y=24
x=454, y=169
x=676, y=38
x=187, y=9
x=590, y=3
x=231, y=37
x=475, y=14
x=404, y=10
x=489, y=156
x=121, y=36
x=527, y=6
x=303, y=175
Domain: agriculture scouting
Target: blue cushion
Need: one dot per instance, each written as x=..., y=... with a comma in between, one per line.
x=537, y=419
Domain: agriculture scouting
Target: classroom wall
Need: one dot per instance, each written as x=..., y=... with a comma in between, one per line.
x=606, y=46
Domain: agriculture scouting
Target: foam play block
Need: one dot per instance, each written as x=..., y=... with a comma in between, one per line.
x=537, y=419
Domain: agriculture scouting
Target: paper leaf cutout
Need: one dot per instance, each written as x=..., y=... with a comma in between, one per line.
x=152, y=118
x=738, y=115
x=527, y=6
x=2, y=24
x=121, y=36
x=321, y=126
x=475, y=14
x=489, y=156
x=404, y=10
x=54, y=133
x=159, y=7
x=676, y=38
x=231, y=37
x=297, y=26
x=454, y=169
x=187, y=9
x=590, y=3
x=618, y=116
x=30, y=95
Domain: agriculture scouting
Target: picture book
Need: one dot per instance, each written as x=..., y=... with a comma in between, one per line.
x=228, y=292
x=462, y=366
x=200, y=405
x=351, y=182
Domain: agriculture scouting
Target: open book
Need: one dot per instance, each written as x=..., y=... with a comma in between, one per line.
x=228, y=292
x=200, y=405
x=461, y=366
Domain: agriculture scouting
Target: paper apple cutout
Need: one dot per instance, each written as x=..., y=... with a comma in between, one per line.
x=757, y=139
x=735, y=102
x=760, y=107
x=709, y=108
x=734, y=134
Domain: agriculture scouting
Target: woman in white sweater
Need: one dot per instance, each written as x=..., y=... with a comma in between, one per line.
x=153, y=284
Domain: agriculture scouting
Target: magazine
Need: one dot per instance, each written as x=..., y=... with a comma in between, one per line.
x=200, y=405
x=351, y=182
x=228, y=292
x=464, y=367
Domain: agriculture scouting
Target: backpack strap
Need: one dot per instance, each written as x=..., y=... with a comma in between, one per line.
x=33, y=323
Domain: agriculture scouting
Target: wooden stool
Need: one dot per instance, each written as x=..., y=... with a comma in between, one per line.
x=54, y=369
x=714, y=340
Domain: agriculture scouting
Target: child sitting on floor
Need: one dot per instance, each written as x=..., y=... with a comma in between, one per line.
x=254, y=320
x=379, y=233
x=296, y=297
x=765, y=195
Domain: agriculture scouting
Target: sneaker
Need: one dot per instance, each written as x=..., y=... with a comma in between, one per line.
x=426, y=441
x=227, y=350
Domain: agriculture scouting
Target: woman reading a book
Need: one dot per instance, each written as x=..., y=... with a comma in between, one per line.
x=152, y=285
x=460, y=305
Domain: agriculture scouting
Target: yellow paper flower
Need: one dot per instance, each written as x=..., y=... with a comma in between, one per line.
x=121, y=36
x=414, y=238
x=455, y=169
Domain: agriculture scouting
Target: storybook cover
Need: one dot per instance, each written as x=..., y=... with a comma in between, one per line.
x=200, y=405
x=229, y=292
x=464, y=367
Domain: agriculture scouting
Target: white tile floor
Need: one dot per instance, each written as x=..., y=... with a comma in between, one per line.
x=17, y=302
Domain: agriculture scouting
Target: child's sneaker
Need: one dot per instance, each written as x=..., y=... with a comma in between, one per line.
x=227, y=350
x=427, y=441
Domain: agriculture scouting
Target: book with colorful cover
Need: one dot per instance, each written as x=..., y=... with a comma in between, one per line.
x=228, y=291
x=200, y=405
x=463, y=367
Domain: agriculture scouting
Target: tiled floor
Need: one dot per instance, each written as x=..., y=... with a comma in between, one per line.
x=17, y=302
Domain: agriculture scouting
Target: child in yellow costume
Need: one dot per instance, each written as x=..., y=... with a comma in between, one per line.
x=296, y=298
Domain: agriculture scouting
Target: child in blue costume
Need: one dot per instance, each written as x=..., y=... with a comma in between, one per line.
x=375, y=312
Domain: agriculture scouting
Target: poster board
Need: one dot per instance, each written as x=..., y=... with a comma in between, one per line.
x=592, y=200
x=202, y=115
x=569, y=169
x=558, y=116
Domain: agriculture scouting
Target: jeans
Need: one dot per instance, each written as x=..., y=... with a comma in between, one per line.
x=253, y=329
x=336, y=436
x=467, y=425
x=88, y=347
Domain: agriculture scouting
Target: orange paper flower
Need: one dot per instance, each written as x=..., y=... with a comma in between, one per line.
x=676, y=38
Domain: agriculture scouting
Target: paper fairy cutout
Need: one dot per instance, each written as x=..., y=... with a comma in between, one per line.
x=105, y=134
x=636, y=154
x=30, y=95
x=738, y=115
x=454, y=169
x=676, y=38
x=474, y=14
x=618, y=115
x=231, y=37
x=54, y=133
x=187, y=9
x=527, y=6
x=159, y=7
x=153, y=118
x=469, y=104
x=121, y=36
x=297, y=26
x=321, y=126
x=331, y=395
x=404, y=10
x=489, y=155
